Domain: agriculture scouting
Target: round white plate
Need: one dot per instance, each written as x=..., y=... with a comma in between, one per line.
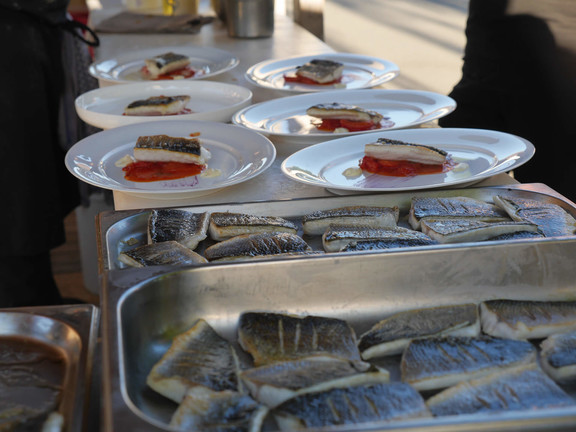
x=486, y=153
x=286, y=117
x=125, y=68
x=238, y=153
x=360, y=71
x=212, y=101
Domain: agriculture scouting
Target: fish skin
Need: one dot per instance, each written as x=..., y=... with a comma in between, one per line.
x=446, y=230
x=336, y=110
x=161, y=253
x=164, y=148
x=522, y=388
x=157, y=105
x=185, y=227
x=197, y=357
x=272, y=337
x=524, y=319
x=274, y=383
x=165, y=63
x=373, y=245
x=393, y=334
x=223, y=411
x=317, y=222
x=389, y=149
x=552, y=219
x=321, y=70
x=439, y=362
x=455, y=208
x=224, y=225
x=357, y=403
x=337, y=238
x=558, y=356
x=258, y=244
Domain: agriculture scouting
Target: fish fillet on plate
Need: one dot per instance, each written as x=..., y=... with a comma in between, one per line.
x=197, y=357
x=338, y=238
x=223, y=411
x=356, y=400
x=523, y=388
x=318, y=222
x=164, y=148
x=453, y=208
x=522, y=319
x=157, y=106
x=393, y=334
x=273, y=337
x=185, y=227
x=435, y=363
x=558, y=356
x=162, y=253
x=552, y=219
x=224, y=225
x=274, y=383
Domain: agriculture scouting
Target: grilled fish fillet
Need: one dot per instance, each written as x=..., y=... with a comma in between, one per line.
x=224, y=411
x=273, y=337
x=393, y=334
x=445, y=230
x=185, y=227
x=274, y=383
x=522, y=388
x=317, y=223
x=388, y=149
x=517, y=319
x=224, y=225
x=338, y=110
x=254, y=245
x=384, y=244
x=197, y=357
x=337, y=238
x=552, y=219
x=166, y=63
x=320, y=70
x=356, y=400
x=453, y=208
x=157, y=106
x=162, y=253
x=163, y=148
x=558, y=356
x=434, y=363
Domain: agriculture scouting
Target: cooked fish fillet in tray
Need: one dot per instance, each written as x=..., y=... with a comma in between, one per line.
x=390, y=223
x=462, y=309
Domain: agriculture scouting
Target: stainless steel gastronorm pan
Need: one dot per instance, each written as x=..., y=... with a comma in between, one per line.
x=143, y=309
x=123, y=230
x=72, y=331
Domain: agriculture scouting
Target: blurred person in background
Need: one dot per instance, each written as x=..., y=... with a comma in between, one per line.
x=519, y=77
x=37, y=125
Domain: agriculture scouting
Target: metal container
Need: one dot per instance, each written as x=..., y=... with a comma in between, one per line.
x=250, y=18
x=72, y=330
x=143, y=309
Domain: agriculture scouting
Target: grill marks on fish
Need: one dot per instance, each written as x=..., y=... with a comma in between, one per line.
x=224, y=225
x=272, y=337
x=157, y=105
x=516, y=319
x=558, y=356
x=552, y=219
x=339, y=238
x=453, y=208
x=434, y=363
x=259, y=244
x=317, y=223
x=185, y=227
x=389, y=149
x=161, y=253
x=163, y=148
x=197, y=357
x=393, y=334
x=522, y=388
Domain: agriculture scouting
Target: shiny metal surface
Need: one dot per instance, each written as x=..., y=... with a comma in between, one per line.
x=73, y=331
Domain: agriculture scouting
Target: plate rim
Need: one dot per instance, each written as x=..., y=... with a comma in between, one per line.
x=529, y=150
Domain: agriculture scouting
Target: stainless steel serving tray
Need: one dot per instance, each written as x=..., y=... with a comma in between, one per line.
x=122, y=230
x=143, y=309
x=73, y=331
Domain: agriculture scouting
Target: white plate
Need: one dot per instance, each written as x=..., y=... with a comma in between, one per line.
x=286, y=117
x=125, y=68
x=360, y=71
x=212, y=101
x=238, y=153
x=486, y=152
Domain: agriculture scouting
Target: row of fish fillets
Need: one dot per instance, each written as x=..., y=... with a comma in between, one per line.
x=174, y=234
x=314, y=371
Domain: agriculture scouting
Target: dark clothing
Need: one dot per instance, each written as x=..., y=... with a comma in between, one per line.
x=517, y=78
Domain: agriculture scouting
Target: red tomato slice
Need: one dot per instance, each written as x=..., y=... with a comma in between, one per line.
x=355, y=126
